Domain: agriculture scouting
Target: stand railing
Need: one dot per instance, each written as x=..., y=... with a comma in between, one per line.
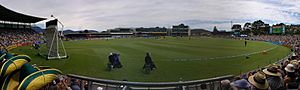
x=105, y=84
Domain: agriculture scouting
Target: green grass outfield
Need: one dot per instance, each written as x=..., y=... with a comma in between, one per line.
x=175, y=58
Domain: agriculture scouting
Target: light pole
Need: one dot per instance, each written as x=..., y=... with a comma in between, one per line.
x=62, y=25
x=58, y=39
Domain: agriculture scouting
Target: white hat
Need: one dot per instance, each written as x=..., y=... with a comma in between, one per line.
x=54, y=82
x=99, y=88
x=289, y=68
x=293, y=54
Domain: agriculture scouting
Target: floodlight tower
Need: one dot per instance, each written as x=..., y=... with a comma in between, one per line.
x=54, y=41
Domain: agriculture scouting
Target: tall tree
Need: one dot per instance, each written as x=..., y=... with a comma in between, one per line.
x=257, y=27
x=86, y=31
x=257, y=24
x=247, y=26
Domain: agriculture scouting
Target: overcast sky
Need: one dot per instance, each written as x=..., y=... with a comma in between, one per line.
x=105, y=14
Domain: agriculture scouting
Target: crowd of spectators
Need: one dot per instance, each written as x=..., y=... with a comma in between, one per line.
x=288, y=40
x=278, y=76
x=10, y=37
x=66, y=83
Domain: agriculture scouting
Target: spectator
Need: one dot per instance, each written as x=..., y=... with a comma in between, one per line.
x=62, y=85
x=225, y=84
x=16, y=37
x=274, y=78
x=290, y=71
x=259, y=81
x=291, y=77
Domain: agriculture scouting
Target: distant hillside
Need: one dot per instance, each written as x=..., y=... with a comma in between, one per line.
x=200, y=30
x=93, y=31
x=69, y=31
x=38, y=29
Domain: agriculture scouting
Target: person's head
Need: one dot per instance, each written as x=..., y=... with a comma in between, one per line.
x=289, y=68
x=259, y=81
x=225, y=82
x=111, y=53
x=278, y=66
x=272, y=70
x=56, y=81
x=295, y=63
x=148, y=54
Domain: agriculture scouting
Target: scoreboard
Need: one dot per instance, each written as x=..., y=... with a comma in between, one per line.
x=280, y=29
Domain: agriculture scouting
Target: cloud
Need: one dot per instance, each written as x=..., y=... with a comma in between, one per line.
x=105, y=14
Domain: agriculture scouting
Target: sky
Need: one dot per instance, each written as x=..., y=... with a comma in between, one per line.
x=107, y=14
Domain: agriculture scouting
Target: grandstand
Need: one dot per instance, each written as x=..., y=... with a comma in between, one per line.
x=16, y=28
x=121, y=32
x=180, y=30
x=176, y=30
x=16, y=72
x=152, y=31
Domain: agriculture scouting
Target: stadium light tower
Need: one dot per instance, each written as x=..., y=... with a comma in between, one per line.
x=54, y=41
x=231, y=25
x=62, y=25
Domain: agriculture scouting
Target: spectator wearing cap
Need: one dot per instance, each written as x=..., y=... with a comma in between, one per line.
x=279, y=69
x=294, y=56
x=291, y=78
x=258, y=81
x=290, y=72
x=296, y=66
x=274, y=78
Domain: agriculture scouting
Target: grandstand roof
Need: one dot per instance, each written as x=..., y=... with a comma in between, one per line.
x=9, y=15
